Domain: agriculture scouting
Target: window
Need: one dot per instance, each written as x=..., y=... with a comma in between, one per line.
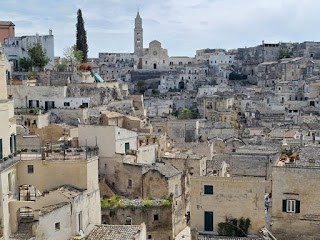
x=128, y=220
x=156, y=217
x=290, y=206
x=80, y=221
x=129, y=183
x=126, y=146
x=57, y=226
x=149, y=237
x=66, y=104
x=208, y=189
x=30, y=169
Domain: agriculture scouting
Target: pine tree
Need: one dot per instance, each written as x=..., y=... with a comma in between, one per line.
x=81, y=37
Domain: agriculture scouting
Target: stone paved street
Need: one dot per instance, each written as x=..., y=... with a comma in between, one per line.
x=184, y=234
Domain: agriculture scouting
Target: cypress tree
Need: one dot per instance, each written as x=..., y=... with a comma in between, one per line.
x=81, y=37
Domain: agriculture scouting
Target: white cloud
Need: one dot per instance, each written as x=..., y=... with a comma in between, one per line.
x=183, y=26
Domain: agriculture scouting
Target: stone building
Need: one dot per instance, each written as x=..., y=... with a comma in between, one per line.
x=295, y=202
x=156, y=107
x=155, y=57
x=6, y=30
x=161, y=223
x=287, y=69
x=307, y=49
x=180, y=61
x=128, y=122
x=45, y=195
x=16, y=47
x=63, y=205
x=138, y=180
x=191, y=163
x=7, y=148
x=217, y=107
x=265, y=52
x=115, y=142
x=177, y=130
x=213, y=199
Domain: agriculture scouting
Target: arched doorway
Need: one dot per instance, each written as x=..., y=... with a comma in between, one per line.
x=154, y=66
x=25, y=220
x=181, y=85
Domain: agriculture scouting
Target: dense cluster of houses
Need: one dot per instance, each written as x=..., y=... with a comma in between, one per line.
x=89, y=155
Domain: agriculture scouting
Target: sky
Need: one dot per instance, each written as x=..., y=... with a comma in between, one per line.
x=182, y=26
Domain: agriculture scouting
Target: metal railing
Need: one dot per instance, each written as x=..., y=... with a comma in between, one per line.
x=45, y=154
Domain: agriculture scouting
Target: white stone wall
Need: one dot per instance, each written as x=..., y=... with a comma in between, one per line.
x=147, y=154
x=123, y=136
x=17, y=47
x=181, y=61
x=110, y=139
x=222, y=58
x=46, y=227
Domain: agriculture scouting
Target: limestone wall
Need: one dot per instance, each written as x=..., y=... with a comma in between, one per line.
x=159, y=230
x=232, y=197
x=301, y=184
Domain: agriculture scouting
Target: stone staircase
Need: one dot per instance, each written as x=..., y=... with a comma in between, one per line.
x=24, y=230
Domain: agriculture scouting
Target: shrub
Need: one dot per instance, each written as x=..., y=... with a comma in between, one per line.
x=112, y=202
x=234, y=227
x=147, y=203
x=166, y=203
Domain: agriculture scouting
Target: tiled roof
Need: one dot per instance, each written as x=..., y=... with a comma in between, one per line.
x=183, y=156
x=114, y=232
x=51, y=208
x=166, y=170
x=6, y=23
x=68, y=191
x=214, y=164
x=307, y=154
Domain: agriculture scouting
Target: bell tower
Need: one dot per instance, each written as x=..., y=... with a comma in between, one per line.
x=138, y=36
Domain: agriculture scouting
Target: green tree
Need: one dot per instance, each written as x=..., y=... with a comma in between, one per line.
x=38, y=56
x=141, y=85
x=72, y=57
x=186, y=113
x=81, y=37
x=25, y=63
x=62, y=67
x=283, y=53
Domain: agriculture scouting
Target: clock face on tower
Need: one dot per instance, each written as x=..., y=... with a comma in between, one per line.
x=155, y=53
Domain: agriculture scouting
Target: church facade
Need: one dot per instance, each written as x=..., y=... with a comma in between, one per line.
x=152, y=58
